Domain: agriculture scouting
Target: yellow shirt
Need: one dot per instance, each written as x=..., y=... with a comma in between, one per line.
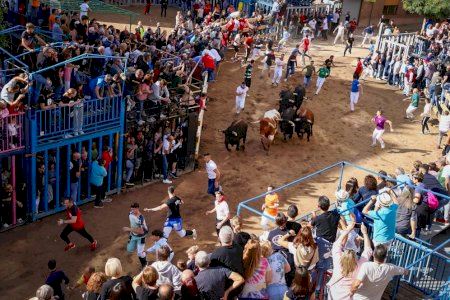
x=271, y=200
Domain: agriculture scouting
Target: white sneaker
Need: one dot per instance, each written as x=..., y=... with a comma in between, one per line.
x=382, y=146
x=373, y=145
x=167, y=181
x=194, y=234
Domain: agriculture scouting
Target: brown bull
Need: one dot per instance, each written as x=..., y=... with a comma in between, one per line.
x=307, y=114
x=268, y=128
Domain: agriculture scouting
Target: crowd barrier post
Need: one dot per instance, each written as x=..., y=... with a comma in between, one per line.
x=200, y=119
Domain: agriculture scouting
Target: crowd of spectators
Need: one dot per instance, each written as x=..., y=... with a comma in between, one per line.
x=341, y=251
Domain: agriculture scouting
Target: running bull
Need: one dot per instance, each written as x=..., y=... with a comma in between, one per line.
x=234, y=133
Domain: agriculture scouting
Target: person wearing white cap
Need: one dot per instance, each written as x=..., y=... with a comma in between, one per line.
x=383, y=216
x=345, y=206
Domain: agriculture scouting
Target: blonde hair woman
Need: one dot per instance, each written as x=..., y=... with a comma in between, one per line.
x=113, y=269
x=240, y=237
x=276, y=288
x=257, y=272
x=94, y=285
x=346, y=264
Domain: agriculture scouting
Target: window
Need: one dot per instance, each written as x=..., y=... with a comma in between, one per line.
x=390, y=9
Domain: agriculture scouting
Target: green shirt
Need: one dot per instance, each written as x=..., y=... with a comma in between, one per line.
x=415, y=100
x=324, y=72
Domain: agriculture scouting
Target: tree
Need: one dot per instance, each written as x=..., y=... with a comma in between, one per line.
x=435, y=9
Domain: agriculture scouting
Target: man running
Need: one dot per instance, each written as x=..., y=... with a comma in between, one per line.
x=323, y=73
x=278, y=71
x=340, y=33
x=305, y=47
x=268, y=62
x=174, y=220
x=310, y=70
x=354, y=92
x=213, y=174
x=248, y=74
x=138, y=231
x=74, y=223
x=380, y=122
x=241, y=93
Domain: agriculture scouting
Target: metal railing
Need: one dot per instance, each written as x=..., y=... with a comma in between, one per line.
x=11, y=130
x=429, y=270
x=86, y=117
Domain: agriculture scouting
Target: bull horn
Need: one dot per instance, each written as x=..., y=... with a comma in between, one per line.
x=234, y=133
x=292, y=123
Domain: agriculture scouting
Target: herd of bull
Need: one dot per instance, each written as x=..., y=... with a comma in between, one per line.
x=289, y=118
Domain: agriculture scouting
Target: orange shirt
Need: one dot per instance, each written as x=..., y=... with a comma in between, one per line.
x=35, y=3
x=271, y=200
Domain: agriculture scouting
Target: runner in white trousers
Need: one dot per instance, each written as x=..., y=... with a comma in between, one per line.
x=278, y=71
x=380, y=122
x=356, y=88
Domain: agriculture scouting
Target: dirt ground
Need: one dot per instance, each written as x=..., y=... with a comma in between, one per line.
x=338, y=135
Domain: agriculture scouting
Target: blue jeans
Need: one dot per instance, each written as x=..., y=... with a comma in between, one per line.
x=323, y=264
x=35, y=89
x=130, y=168
x=306, y=81
x=210, y=74
x=211, y=187
x=74, y=191
x=165, y=166
x=276, y=291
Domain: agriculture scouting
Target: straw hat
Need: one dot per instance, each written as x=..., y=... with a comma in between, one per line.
x=341, y=195
x=384, y=199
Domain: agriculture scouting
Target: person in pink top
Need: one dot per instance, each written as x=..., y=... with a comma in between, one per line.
x=144, y=93
x=346, y=264
x=380, y=122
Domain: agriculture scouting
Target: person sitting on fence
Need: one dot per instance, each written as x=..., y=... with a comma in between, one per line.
x=14, y=91
x=101, y=86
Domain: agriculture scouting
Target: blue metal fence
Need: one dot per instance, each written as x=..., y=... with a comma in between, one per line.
x=429, y=269
x=89, y=116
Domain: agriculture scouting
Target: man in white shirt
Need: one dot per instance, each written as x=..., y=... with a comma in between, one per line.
x=84, y=8
x=373, y=277
x=241, y=93
x=340, y=33
x=165, y=162
x=213, y=174
x=278, y=71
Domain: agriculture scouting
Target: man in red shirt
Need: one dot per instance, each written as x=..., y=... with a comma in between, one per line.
x=359, y=68
x=208, y=65
x=248, y=43
x=74, y=223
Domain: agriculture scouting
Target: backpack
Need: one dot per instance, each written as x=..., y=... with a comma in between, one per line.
x=432, y=201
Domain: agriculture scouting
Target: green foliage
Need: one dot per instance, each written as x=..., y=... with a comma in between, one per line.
x=436, y=9
x=2, y=25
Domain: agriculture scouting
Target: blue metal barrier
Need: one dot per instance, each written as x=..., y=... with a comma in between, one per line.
x=429, y=270
x=60, y=122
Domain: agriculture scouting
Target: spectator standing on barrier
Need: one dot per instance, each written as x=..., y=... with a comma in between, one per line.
x=346, y=264
x=383, y=216
x=138, y=231
x=173, y=220
x=98, y=173
x=130, y=160
x=269, y=208
x=213, y=174
x=373, y=277
x=222, y=211
x=74, y=223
